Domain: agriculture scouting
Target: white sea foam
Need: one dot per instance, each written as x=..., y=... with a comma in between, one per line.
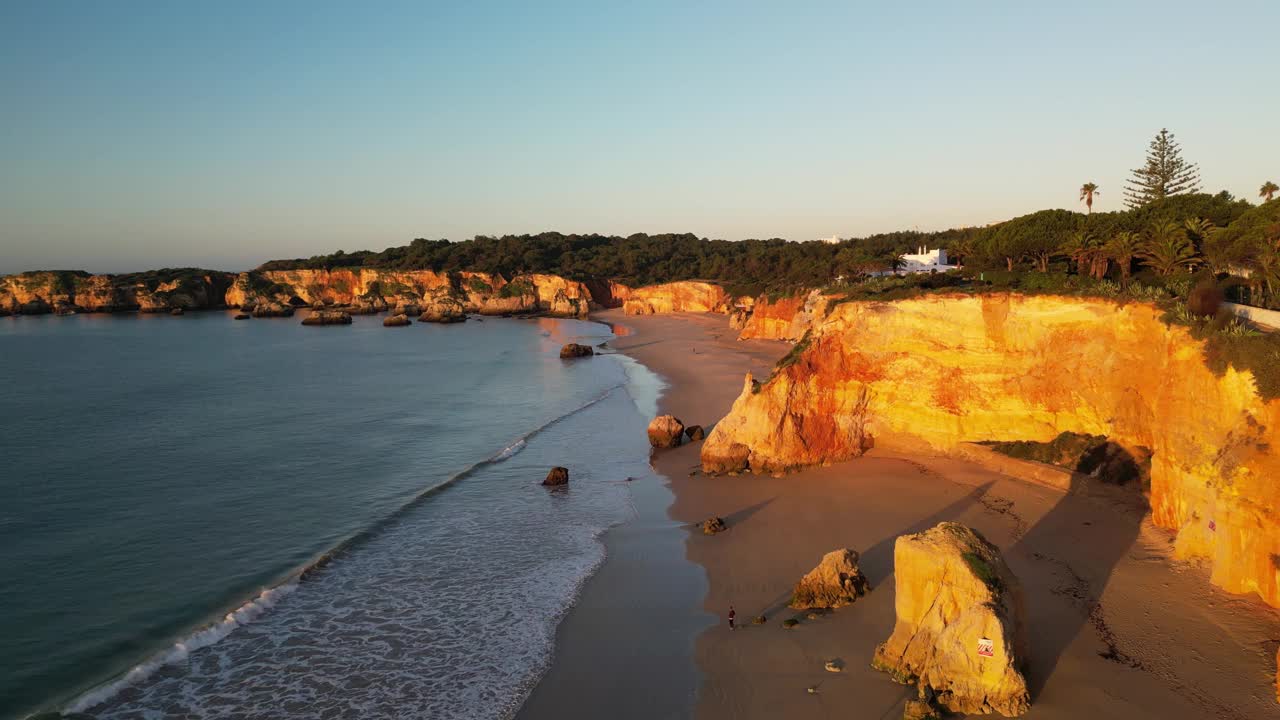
x=181, y=650
x=352, y=637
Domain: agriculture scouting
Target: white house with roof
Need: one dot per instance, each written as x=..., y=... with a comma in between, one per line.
x=924, y=260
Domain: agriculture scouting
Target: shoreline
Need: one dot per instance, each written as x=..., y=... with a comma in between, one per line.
x=249, y=608
x=1091, y=566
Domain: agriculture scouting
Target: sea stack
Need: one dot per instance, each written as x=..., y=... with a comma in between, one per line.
x=960, y=634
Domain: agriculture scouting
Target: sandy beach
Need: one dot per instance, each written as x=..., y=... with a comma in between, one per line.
x=1119, y=628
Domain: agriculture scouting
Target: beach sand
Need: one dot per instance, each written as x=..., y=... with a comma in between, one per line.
x=1119, y=629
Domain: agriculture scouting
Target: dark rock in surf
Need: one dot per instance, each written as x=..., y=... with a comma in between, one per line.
x=327, y=317
x=695, y=432
x=557, y=476
x=574, y=350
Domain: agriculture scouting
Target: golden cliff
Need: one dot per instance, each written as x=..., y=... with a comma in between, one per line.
x=684, y=296
x=34, y=293
x=483, y=293
x=939, y=371
x=787, y=318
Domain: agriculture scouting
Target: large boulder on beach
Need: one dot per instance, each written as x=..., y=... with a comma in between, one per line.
x=557, y=476
x=960, y=634
x=713, y=525
x=395, y=321
x=734, y=458
x=574, y=350
x=327, y=317
x=834, y=583
x=665, y=431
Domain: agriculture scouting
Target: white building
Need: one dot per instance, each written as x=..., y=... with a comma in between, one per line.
x=926, y=260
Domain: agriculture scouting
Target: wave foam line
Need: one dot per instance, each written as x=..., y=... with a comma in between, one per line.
x=255, y=608
x=204, y=637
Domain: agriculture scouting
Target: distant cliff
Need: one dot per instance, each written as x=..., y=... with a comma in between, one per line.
x=358, y=289
x=35, y=293
x=943, y=370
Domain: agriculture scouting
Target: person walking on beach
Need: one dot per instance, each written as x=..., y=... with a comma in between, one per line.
x=732, y=615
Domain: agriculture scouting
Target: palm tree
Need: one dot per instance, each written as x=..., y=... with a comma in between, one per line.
x=1166, y=247
x=1123, y=248
x=1087, y=191
x=1086, y=250
x=1268, y=190
x=961, y=250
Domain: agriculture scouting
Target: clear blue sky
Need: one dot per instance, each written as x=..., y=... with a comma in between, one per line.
x=137, y=135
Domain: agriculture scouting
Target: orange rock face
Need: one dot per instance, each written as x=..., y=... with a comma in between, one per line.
x=38, y=292
x=481, y=293
x=787, y=318
x=687, y=296
x=939, y=371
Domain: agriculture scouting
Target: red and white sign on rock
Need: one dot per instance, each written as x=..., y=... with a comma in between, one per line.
x=986, y=648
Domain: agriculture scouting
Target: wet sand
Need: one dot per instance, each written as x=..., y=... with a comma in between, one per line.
x=1119, y=628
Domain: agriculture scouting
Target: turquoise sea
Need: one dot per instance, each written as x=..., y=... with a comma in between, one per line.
x=202, y=517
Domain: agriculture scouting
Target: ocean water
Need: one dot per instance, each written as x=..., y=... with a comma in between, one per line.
x=201, y=517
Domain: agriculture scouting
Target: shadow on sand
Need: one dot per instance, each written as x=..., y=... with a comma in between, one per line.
x=1081, y=539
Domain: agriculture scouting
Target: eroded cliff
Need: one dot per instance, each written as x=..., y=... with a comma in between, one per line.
x=941, y=371
x=34, y=293
x=685, y=296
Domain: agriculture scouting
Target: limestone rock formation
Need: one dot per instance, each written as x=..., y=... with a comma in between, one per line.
x=327, y=317
x=574, y=350
x=834, y=583
x=242, y=316
x=685, y=296
x=665, y=431
x=919, y=710
x=713, y=525
x=939, y=371
x=443, y=311
x=787, y=318
x=694, y=432
x=732, y=458
x=960, y=633
x=395, y=321
x=272, y=309
x=557, y=476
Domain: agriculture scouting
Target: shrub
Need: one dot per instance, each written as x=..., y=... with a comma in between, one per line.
x=516, y=288
x=1205, y=299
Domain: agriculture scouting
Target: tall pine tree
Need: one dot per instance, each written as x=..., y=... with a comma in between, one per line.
x=1165, y=174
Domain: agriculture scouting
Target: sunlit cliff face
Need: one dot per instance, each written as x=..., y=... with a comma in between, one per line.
x=939, y=371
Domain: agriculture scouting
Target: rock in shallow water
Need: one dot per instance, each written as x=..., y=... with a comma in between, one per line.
x=574, y=350
x=327, y=317
x=395, y=321
x=557, y=476
x=961, y=623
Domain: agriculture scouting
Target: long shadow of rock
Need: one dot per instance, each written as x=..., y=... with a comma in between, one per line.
x=740, y=516
x=877, y=562
x=1082, y=538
